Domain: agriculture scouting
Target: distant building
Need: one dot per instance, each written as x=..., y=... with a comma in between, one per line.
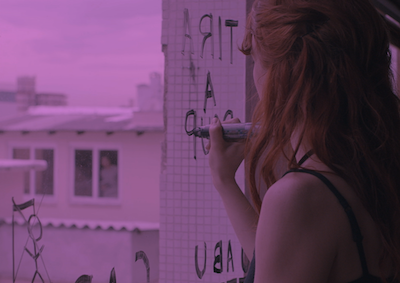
x=8, y=107
x=26, y=90
x=150, y=97
x=7, y=96
x=26, y=96
x=51, y=99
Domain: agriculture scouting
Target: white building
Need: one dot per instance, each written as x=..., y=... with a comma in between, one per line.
x=98, y=198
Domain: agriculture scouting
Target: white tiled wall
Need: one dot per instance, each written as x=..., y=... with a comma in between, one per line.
x=192, y=214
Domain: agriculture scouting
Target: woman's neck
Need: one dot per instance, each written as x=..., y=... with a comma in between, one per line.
x=304, y=146
x=313, y=162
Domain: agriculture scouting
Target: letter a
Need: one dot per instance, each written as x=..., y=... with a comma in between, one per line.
x=230, y=257
x=209, y=91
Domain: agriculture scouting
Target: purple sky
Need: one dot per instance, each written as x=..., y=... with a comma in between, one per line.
x=95, y=51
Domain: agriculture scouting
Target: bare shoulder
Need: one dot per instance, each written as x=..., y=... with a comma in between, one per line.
x=297, y=226
x=301, y=193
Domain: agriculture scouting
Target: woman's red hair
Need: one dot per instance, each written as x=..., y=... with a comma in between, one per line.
x=329, y=76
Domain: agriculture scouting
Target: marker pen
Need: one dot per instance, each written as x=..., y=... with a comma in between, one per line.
x=230, y=132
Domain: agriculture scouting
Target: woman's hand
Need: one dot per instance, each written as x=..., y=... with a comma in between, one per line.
x=224, y=157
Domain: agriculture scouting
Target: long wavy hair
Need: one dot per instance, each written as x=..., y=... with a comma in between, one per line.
x=329, y=78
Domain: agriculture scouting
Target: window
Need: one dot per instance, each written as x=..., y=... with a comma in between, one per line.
x=96, y=174
x=37, y=182
x=83, y=173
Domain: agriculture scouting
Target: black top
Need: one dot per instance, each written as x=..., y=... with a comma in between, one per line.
x=355, y=229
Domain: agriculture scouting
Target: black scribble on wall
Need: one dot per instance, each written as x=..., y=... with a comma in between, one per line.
x=200, y=273
x=142, y=255
x=231, y=24
x=192, y=76
x=206, y=28
x=192, y=70
x=218, y=258
x=84, y=279
x=190, y=132
x=113, y=277
x=205, y=151
x=88, y=278
x=232, y=281
x=187, y=31
x=228, y=113
x=37, y=252
x=220, y=37
x=207, y=34
x=218, y=261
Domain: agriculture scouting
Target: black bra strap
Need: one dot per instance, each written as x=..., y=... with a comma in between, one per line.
x=355, y=229
x=305, y=157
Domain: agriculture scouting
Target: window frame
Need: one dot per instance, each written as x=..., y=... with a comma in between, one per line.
x=95, y=198
x=395, y=67
x=32, y=189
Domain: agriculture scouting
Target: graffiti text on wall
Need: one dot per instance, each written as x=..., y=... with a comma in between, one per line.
x=206, y=29
x=208, y=35
x=218, y=266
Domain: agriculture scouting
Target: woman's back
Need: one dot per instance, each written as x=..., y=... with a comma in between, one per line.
x=324, y=221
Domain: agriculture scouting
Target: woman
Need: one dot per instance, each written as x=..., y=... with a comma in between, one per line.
x=327, y=108
x=108, y=178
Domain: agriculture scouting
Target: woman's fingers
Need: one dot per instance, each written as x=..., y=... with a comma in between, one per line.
x=224, y=157
x=231, y=121
x=215, y=131
x=208, y=146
